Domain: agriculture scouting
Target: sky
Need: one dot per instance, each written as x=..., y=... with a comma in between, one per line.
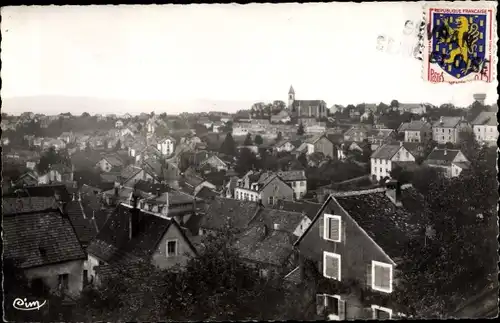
x=218, y=52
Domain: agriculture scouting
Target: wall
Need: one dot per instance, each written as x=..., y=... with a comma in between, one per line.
x=239, y=194
x=357, y=252
x=325, y=146
x=284, y=191
x=50, y=273
x=299, y=190
x=486, y=133
x=159, y=257
x=89, y=265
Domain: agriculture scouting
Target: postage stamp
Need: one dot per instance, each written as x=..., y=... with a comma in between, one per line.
x=460, y=45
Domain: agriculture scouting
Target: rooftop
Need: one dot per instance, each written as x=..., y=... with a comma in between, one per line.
x=40, y=239
x=447, y=155
x=288, y=221
x=262, y=245
x=292, y=175
x=222, y=210
x=310, y=209
x=15, y=205
x=447, y=122
x=386, y=151
x=486, y=119
x=414, y=125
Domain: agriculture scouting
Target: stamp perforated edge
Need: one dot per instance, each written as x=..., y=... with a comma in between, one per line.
x=460, y=4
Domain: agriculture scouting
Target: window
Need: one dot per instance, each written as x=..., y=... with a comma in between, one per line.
x=270, y=200
x=172, y=248
x=63, y=281
x=381, y=277
x=303, y=183
x=85, y=277
x=331, y=265
x=331, y=306
x=331, y=227
x=263, y=273
x=407, y=155
x=381, y=313
x=381, y=169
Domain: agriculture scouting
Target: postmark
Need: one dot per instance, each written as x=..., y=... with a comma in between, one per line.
x=460, y=45
x=408, y=43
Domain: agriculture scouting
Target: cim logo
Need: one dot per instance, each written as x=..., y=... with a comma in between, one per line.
x=24, y=305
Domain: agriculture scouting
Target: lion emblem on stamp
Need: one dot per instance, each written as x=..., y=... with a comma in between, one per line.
x=460, y=46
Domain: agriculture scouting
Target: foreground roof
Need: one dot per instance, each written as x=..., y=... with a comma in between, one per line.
x=486, y=119
x=40, y=239
x=386, y=151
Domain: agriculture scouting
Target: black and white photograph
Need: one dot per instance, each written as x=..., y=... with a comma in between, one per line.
x=250, y=162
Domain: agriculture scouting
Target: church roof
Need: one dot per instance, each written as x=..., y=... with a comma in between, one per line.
x=291, y=91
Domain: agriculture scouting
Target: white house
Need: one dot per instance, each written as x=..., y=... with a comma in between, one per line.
x=118, y=124
x=416, y=130
x=166, y=146
x=485, y=128
x=215, y=162
x=284, y=145
x=447, y=129
x=315, y=129
x=386, y=157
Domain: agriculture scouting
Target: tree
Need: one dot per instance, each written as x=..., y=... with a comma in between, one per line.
x=87, y=147
x=302, y=159
x=279, y=137
x=394, y=104
x=52, y=157
x=246, y=161
x=300, y=130
x=85, y=115
x=118, y=145
x=163, y=116
x=258, y=140
x=468, y=144
x=248, y=140
x=152, y=114
x=228, y=146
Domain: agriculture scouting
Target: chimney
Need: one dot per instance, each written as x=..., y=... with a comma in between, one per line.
x=393, y=192
x=441, y=120
x=134, y=218
x=158, y=192
x=445, y=152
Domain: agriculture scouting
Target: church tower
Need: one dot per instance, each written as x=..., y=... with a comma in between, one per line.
x=291, y=97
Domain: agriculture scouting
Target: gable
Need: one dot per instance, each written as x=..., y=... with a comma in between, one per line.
x=184, y=246
x=356, y=243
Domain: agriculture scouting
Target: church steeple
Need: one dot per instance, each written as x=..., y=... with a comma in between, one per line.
x=291, y=97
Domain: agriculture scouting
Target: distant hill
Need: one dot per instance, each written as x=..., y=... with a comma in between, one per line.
x=50, y=105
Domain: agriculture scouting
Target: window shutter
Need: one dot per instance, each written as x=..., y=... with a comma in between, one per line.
x=321, y=225
x=378, y=276
x=334, y=229
x=342, y=309
x=332, y=267
x=320, y=304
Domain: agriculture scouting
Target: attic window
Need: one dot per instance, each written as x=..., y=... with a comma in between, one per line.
x=381, y=277
x=331, y=227
x=171, y=248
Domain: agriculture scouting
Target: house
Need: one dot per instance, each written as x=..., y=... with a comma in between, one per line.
x=284, y=145
x=119, y=124
x=413, y=108
x=135, y=148
x=222, y=212
x=132, y=235
x=161, y=171
x=297, y=180
x=109, y=163
x=151, y=126
x=377, y=137
x=306, y=108
x=349, y=249
x=67, y=137
x=191, y=183
x=315, y=129
x=126, y=131
x=26, y=179
x=40, y=239
x=485, y=128
x=215, y=163
x=281, y=117
x=56, y=143
x=132, y=174
x=357, y=133
x=263, y=187
x=82, y=141
x=450, y=161
x=317, y=144
x=416, y=130
x=417, y=149
x=127, y=116
x=447, y=129
x=386, y=157
x=57, y=173
x=166, y=146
